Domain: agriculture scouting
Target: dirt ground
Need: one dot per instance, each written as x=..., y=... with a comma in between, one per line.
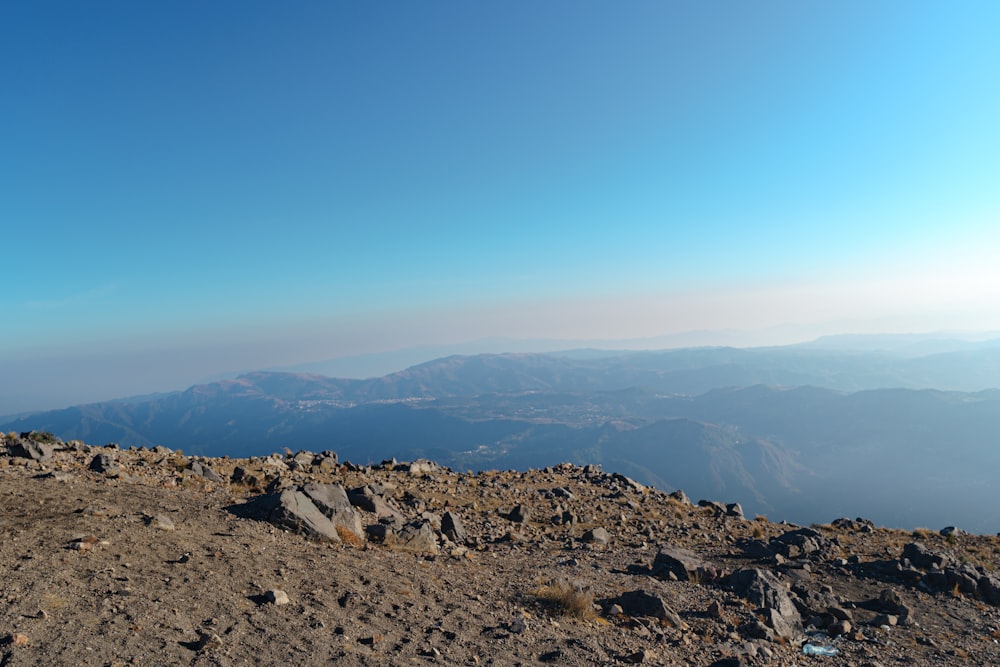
x=149, y=564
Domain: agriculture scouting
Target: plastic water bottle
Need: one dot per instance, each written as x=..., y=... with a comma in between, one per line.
x=813, y=649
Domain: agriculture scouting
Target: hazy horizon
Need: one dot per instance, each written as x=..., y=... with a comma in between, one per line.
x=59, y=382
x=197, y=189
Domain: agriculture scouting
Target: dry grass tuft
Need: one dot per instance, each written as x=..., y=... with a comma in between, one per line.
x=51, y=601
x=348, y=536
x=571, y=600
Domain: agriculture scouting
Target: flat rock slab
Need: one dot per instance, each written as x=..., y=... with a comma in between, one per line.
x=290, y=509
x=684, y=564
x=646, y=603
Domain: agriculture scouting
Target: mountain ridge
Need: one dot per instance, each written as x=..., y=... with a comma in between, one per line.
x=530, y=410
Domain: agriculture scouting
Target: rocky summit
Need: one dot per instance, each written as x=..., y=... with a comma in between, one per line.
x=146, y=556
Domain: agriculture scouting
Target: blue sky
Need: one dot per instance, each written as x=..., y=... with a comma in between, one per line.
x=192, y=188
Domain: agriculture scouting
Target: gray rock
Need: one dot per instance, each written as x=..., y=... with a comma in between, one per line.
x=922, y=557
x=757, y=549
x=202, y=470
x=718, y=508
x=325, y=463
x=242, y=476
x=379, y=532
x=644, y=656
x=889, y=601
x=419, y=537
x=433, y=519
x=330, y=498
x=32, y=449
x=276, y=597
x=278, y=484
x=293, y=510
x=369, y=500
x=518, y=625
x=597, y=536
x=811, y=602
x=628, y=482
x=989, y=589
x=840, y=613
x=680, y=497
x=764, y=589
x=519, y=514
x=207, y=641
x=645, y=603
x=839, y=628
x=161, y=521
x=103, y=462
x=756, y=629
x=798, y=543
x=965, y=578
x=452, y=528
x=422, y=467
x=332, y=501
x=735, y=509
x=685, y=565
x=304, y=457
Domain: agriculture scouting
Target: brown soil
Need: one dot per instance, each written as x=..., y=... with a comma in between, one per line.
x=91, y=578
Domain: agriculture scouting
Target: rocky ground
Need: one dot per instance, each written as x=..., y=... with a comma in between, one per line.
x=147, y=556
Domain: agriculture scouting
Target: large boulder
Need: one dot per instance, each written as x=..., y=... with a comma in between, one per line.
x=30, y=448
x=332, y=501
x=104, y=462
x=368, y=499
x=765, y=590
x=422, y=467
x=291, y=509
x=798, y=543
x=519, y=514
x=922, y=557
x=203, y=470
x=645, y=603
x=417, y=537
x=683, y=564
x=452, y=528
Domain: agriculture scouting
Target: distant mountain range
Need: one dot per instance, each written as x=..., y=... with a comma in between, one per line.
x=800, y=433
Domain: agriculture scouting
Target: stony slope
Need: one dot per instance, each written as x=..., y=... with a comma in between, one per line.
x=147, y=556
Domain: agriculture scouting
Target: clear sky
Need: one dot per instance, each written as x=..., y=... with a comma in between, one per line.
x=191, y=188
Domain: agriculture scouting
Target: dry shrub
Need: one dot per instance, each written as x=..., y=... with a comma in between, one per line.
x=348, y=536
x=569, y=599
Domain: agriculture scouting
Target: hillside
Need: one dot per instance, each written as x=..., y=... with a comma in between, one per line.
x=116, y=557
